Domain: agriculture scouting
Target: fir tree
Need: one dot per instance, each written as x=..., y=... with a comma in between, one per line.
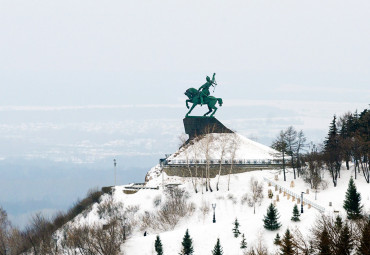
x=287, y=244
x=324, y=243
x=187, y=245
x=271, y=219
x=236, y=228
x=217, y=250
x=345, y=244
x=158, y=246
x=243, y=243
x=277, y=240
x=338, y=223
x=296, y=214
x=364, y=247
x=352, y=201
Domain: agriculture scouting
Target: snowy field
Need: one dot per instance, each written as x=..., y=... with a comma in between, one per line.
x=228, y=206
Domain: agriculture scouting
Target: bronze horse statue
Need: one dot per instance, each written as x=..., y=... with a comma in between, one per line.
x=194, y=98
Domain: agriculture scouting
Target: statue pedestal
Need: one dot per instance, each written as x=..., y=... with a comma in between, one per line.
x=199, y=125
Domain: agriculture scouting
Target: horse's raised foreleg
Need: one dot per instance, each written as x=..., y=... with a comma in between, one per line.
x=213, y=113
x=190, y=110
x=213, y=106
x=187, y=101
x=210, y=110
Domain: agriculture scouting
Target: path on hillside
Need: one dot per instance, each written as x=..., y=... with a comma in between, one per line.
x=297, y=196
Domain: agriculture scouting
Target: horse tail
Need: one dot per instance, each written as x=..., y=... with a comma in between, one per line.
x=219, y=100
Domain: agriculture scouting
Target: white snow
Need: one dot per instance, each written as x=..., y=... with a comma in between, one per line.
x=246, y=149
x=228, y=206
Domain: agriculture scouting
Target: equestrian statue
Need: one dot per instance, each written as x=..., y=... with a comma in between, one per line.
x=202, y=96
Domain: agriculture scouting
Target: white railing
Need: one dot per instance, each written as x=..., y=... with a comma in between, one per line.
x=306, y=201
x=225, y=161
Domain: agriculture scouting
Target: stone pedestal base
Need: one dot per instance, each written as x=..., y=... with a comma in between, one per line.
x=203, y=125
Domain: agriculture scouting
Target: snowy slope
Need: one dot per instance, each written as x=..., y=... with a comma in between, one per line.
x=246, y=149
x=228, y=207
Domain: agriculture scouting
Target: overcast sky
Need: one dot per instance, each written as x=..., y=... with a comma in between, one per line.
x=82, y=82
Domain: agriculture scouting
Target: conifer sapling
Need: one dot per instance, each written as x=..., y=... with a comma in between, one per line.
x=352, y=201
x=243, y=243
x=296, y=213
x=158, y=246
x=287, y=244
x=187, y=245
x=277, y=240
x=236, y=228
x=217, y=250
x=271, y=218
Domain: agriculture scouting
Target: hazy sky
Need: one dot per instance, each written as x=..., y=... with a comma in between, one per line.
x=82, y=82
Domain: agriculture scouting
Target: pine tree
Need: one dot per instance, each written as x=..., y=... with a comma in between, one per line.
x=324, y=243
x=364, y=247
x=345, y=244
x=277, y=240
x=158, y=246
x=217, y=250
x=287, y=244
x=296, y=214
x=333, y=152
x=271, y=219
x=352, y=201
x=243, y=243
x=187, y=245
x=236, y=228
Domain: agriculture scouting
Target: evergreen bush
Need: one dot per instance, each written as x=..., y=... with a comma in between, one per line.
x=217, y=250
x=352, y=202
x=271, y=219
x=187, y=245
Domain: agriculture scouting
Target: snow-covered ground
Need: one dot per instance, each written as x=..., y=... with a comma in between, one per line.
x=228, y=206
x=245, y=149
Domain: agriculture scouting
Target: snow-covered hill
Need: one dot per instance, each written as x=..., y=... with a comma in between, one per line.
x=229, y=206
x=225, y=145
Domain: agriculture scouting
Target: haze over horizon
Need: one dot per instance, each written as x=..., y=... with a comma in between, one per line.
x=85, y=82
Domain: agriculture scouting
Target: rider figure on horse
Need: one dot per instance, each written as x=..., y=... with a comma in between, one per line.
x=204, y=89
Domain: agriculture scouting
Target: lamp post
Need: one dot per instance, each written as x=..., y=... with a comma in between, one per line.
x=115, y=164
x=124, y=228
x=302, y=202
x=214, y=212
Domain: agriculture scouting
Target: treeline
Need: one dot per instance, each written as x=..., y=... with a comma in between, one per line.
x=348, y=140
x=38, y=237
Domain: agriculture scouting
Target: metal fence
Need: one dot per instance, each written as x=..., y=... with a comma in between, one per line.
x=306, y=201
x=225, y=161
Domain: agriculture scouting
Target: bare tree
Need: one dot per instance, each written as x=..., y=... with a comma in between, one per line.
x=4, y=231
x=185, y=149
x=301, y=244
x=95, y=239
x=281, y=146
x=291, y=143
x=301, y=144
x=207, y=142
x=259, y=248
x=38, y=235
x=224, y=146
x=234, y=146
x=256, y=195
x=313, y=170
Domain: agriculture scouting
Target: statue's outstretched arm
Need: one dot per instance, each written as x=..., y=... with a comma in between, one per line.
x=213, y=77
